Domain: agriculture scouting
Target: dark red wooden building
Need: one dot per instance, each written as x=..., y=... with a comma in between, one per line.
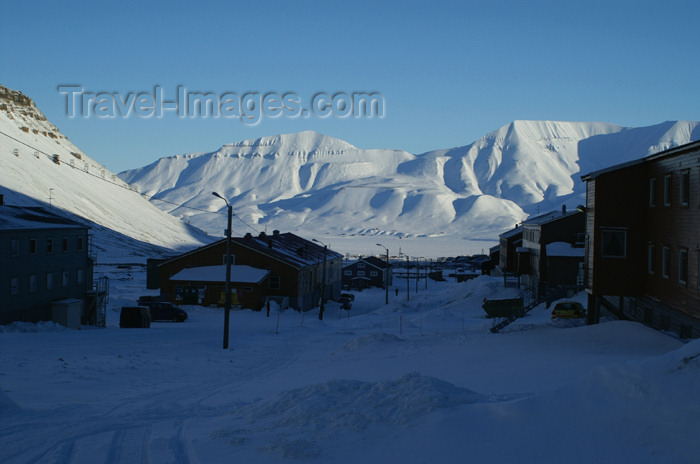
x=643, y=240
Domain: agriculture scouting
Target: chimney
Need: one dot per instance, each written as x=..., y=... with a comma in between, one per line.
x=275, y=233
x=262, y=235
x=269, y=243
x=563, y=209
x=248, y=236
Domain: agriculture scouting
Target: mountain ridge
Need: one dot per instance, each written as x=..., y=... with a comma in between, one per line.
x=315, y=182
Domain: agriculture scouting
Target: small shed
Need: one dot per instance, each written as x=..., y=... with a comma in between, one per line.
x=67, y=312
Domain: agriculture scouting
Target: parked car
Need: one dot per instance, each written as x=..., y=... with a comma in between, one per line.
x=568, y=310
x=135, y=317
x=165, y=311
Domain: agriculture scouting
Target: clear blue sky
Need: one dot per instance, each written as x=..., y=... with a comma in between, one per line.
x=449, y=72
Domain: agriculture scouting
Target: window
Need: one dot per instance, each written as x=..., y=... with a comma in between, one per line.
x=32, y=246
x=80, y=277
x=665, y=262
x=275, y=282
x=361, y=265
x=14, y=286
x=651, y=264
x=683, y=266
x=373, y=273
x=49, y=280
x=614, y=243
x=80, y=244
x=65, y=278
x=64, y=244
x=360, y=273
x=32, y=283
x=667, y=190
x=685, y=188
x=347, y=272
x=233, y=259
x=652, y=192
x=248, y=290
x=14, y=247
x=49, y=246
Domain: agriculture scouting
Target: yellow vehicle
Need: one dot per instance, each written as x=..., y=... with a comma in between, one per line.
x=568, y=310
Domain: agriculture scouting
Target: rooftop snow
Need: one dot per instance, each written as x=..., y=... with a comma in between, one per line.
x=563, y=249
x=18, y=217
x=239, y=273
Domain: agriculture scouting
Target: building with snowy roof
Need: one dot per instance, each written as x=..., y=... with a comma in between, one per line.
x=643, y=232
x=43, y=261
x=552, y=275
x=296, y=268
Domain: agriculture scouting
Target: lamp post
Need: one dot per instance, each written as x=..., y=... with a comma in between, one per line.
x=386, y=273
x=323, y=280
x=408, y=280
x=227, y=304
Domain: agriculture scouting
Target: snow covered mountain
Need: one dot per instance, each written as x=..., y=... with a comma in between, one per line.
x=311, y=182
x=39, y=166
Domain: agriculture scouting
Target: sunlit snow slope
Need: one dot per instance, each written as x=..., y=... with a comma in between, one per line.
x=308, y=181
x=40, y=167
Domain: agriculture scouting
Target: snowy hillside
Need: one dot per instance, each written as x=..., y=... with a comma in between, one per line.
x=40, y=166
x=316, y=183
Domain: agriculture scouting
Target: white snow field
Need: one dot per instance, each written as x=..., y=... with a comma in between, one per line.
x=317, y=184
x=419, y=381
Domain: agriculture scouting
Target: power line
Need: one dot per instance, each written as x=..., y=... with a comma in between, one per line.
x=125, y=187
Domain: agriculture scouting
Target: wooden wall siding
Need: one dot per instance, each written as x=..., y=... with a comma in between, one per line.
x=301, y=286
x=678, y=227
x=621, y=198
x=591, y=242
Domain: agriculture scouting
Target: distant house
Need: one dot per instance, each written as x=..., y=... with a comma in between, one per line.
x=44, y=262
x=296, y=268
x=539, y=235
x=206, y=285
x=367, y=272
x=508, y=244
x=643, y=232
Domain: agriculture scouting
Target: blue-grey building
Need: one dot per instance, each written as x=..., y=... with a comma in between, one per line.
x=43, y=259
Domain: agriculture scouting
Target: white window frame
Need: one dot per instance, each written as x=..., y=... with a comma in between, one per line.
x=605, y=251
x=683, y=266
x=665, y=262
x=668, y=189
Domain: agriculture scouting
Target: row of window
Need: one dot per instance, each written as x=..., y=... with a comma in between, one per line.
x=348, y=272
x=684, y=199
x=51, y=281
x=666, y=266
x=49, y=246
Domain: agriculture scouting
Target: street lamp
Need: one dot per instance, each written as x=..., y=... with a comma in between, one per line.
x=227, y=304
x=386, y=273
x=323, y=281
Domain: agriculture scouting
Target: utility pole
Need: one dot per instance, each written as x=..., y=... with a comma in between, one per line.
x=227, y=304
x=386, y=274
x=323, y=281
x=408, y=280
